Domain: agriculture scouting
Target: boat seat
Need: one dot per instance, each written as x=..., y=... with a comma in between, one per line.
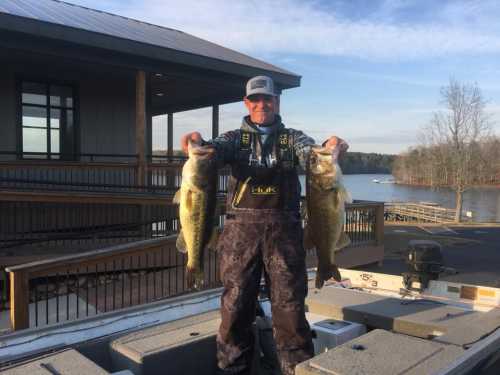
x=369, y=354
x=183, y=346
x=425, y=319
x=66, y=362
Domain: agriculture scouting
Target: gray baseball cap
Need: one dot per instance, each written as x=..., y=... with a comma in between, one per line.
x=260, y=85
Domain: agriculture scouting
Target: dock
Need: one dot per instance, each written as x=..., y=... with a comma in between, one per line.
x=423, y=212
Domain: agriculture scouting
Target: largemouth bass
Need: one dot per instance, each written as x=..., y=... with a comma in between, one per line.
x=197, y=203
x=325, y=210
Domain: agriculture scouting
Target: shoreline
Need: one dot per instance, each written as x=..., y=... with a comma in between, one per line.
x=494, y=186
x=454, y=225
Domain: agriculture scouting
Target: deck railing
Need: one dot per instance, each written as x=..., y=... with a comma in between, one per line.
x=96, y=173
x=365, y=223
x=119, y=276
x=80, y=225
x=90, y=283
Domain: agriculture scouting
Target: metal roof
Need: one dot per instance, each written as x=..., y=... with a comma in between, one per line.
x=77, y=17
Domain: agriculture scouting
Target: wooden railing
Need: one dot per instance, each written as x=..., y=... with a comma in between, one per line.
x=365, y=223
x=70, y=176
x=417, y=212
x=119, y=176
x=75, y=286
x=94, y=282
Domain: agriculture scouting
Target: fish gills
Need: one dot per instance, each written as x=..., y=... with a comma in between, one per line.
x=197, y=201
x=325, y=207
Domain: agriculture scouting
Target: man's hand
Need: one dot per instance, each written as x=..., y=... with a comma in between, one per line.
x=334, y=142
x=195, y=137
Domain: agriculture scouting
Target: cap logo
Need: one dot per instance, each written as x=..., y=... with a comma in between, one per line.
x=258, y=84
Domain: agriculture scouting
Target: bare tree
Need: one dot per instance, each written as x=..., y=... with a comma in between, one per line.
x=455, y=134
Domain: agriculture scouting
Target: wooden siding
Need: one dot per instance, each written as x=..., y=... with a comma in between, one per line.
x=107, y=114
x=7, y=110
x=105, y=103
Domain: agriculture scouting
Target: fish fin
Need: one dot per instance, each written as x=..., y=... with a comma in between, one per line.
x=180, y=243
x=343, y=241
x=214, y=237
x=308, y=241
x=195, y=278
x=177, y=197
x=345, y=196
x=319, y=282
x=322, y=275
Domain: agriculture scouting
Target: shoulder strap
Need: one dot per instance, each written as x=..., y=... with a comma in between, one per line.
x=285, y=148
x=245, y=140
x=244, y=146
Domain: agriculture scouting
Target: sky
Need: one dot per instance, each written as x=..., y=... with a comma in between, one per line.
x=371, y=70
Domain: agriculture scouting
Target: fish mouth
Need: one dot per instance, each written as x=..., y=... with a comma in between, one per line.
x=203, y=152
x=326, y=151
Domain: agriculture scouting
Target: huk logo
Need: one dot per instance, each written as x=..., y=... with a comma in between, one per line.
x=264, y=190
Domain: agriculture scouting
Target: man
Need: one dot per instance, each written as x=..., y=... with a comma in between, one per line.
x=262, y=231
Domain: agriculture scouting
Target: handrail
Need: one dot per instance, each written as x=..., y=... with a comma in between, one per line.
x=21, y=275
x=75, y=157
x=365, y=224
x=52, y=265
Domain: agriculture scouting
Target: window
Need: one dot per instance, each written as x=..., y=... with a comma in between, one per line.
x=47, y=121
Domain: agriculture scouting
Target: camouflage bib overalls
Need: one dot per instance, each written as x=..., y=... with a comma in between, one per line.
x=263, y=234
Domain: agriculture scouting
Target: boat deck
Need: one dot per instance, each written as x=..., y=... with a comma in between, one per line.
x=450, y=328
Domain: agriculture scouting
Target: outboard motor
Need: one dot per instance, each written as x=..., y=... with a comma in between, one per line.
x=425, y=263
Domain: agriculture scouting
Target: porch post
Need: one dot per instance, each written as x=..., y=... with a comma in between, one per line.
x=215, y=121
x=170, y=134
x=379, y=224
x=140, y=125
x=19, y=300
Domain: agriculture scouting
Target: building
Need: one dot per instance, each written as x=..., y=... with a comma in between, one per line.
x=79, y=90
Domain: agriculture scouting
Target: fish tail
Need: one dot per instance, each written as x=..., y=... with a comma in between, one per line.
x=319, y=282
x=323, y=275
x=194, y=278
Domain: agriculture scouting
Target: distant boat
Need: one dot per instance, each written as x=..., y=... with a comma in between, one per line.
x=392, y=181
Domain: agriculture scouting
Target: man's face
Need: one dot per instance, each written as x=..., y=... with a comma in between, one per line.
x=262, y=108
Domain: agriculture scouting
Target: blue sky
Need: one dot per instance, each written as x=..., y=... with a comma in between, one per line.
x=371, y=70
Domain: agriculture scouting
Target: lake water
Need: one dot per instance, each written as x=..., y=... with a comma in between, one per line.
x=484, y=202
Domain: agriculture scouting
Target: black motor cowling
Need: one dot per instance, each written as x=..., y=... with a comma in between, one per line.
x=425, y=262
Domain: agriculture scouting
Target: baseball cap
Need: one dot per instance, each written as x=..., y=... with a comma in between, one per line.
x=260, y=85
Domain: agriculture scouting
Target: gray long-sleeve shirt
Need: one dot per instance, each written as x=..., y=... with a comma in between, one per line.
x=226, y=143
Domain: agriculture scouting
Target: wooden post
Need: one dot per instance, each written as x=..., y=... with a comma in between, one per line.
x=140, y=126
x=215, y=121
x=170, y=134
x=379, y=224
x=19, y=300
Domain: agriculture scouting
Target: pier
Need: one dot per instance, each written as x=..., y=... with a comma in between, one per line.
x=423, y=212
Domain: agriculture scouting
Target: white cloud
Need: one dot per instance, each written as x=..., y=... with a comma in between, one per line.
x=304, y=27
